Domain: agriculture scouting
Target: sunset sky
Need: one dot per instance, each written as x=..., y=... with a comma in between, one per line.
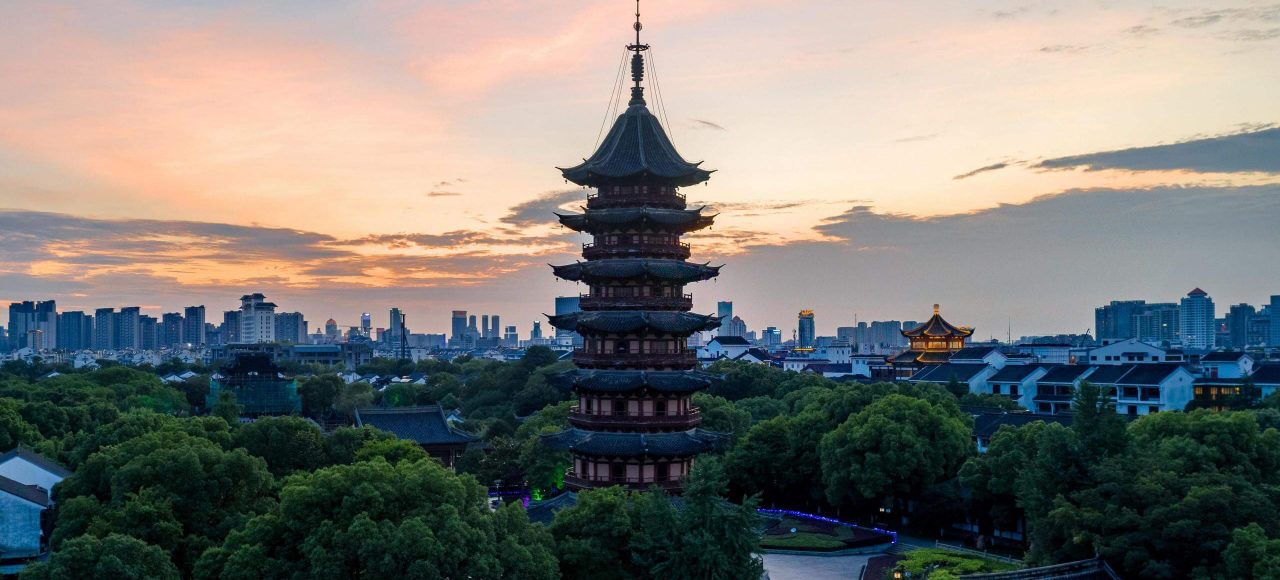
x=1018, y=162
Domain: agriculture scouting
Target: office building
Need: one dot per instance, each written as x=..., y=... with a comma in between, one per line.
x=458, y=329
x=1273, y=312
x=805, y=330
x=257, y=319
x=291, y=327
x=366, y=324
x=230, y=329
x=1196, y=320
x=396, y=327
x=193, y=326
x=1238, y=319
x=510, y=338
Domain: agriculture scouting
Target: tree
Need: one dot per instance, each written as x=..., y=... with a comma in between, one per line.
x=287, y=444
x=227, y=408
x=722, y=416
x=592, y=538
x=13, y=428
x=319, y=393
x=353, y=396
x=894, y=447
x=113, y=556
x=342, y=521
x=761, y=462
x=1252, y=554
x=392, y=451
x=717, y=539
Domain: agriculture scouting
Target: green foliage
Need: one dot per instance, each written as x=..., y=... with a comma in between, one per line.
x=319, y=393
x=942, y=564
x=15, y=430
x=391, y=451
x=722, y=416
x=287, y=444
x=894, y=447
x=114, y=556
x=375, y=519
x=226, y=407
x=989, y=400
x=612, y=534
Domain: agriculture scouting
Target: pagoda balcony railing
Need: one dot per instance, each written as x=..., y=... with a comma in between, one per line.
x=632, y=360
x=634, y=420
x=589, y=302
x=654, y=198
x=592, y=251
x=574, y=481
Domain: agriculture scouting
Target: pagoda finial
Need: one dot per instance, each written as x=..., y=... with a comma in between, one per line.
x=935, y=309
x=637, y=63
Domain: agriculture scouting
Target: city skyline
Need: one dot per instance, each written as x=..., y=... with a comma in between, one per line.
x=410, y=146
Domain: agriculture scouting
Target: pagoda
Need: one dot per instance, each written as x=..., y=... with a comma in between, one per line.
x=931, y=343
x=634, y=424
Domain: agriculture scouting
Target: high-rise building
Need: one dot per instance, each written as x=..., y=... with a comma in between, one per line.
x=1196, y=320
x=127, y=328
x=1115, y=321
x=724, y=309
x=771, y=337
x=230, y=329
x=732, y=327
x=1238, y=319
x=193, y=331
x=366, y=324
x=458, y=329
x=148, y=332
x=652, y=433
x=1157, y=322
x=104, y=329
x=568, y=305
x=291, y=327
x=805, y=330
x=396, y=327
x=484, y=326
x=172, y=330
x=22, y=320
x=47, y=323
x=75, y=331
x=496, y=320
x=1274, y=313
x=510, y=338
x=536, y=333
x=257, y=319
x=333, y=334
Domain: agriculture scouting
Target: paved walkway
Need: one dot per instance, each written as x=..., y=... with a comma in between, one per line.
x=795, y=567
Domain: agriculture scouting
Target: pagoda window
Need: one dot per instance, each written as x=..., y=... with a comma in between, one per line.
x=660, y=408
x=623, y=347
x=618, y=472
x=589, y=403
x=619, y=407
x=662, y=471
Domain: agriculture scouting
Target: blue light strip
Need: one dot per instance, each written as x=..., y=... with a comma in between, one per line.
x=828, y=520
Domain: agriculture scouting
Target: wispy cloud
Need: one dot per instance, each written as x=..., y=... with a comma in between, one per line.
x=703, y=124
x=1247, y=152
x=538, y=210
x=983, y=169
x=1062, y=48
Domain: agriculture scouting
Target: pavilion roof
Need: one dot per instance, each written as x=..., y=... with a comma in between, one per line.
x=636, y=148
x=597, y=220
x=937, y=327
x=677, y=271
x=423, y=425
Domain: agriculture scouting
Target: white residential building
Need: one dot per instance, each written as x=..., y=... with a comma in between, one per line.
x=257, y=319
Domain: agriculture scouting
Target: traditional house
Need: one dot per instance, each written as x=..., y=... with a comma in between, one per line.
x=26, y=481
x=1130, y=351
x=1018, y=382
x=1057, y=387
x=932, y=343
x=427, y=426
x=1226, y=365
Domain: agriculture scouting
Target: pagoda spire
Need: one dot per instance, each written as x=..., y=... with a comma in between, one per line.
x=637, y=63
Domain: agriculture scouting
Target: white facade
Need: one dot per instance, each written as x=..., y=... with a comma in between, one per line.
x=1126, y=352
x=1196, y=321
x=257, y=319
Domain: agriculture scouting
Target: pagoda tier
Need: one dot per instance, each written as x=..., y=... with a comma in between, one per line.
x=635, y=423
x=638, y=220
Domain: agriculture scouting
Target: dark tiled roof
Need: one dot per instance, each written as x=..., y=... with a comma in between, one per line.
x=30, y=493
x=626, y=381
x=423, y=425
x=933, y=358
x=830, y=368
x=986, y=425
x=1063, y=374
x=36, y=459
x=1108, y=374
x=679, y=443
x=1268, y=374
x=599, y=220
x=945, y=372
x=730, y=341
x=1148, y=374
x=936, y=326
x=542, y=512
x=1013, y=374
x=906, y=356
x=631, y=268
x=972, y=353
x=1222, y=356
x=1053, y=398
x=759, y=353
x=635, y=320
x=636, y=146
